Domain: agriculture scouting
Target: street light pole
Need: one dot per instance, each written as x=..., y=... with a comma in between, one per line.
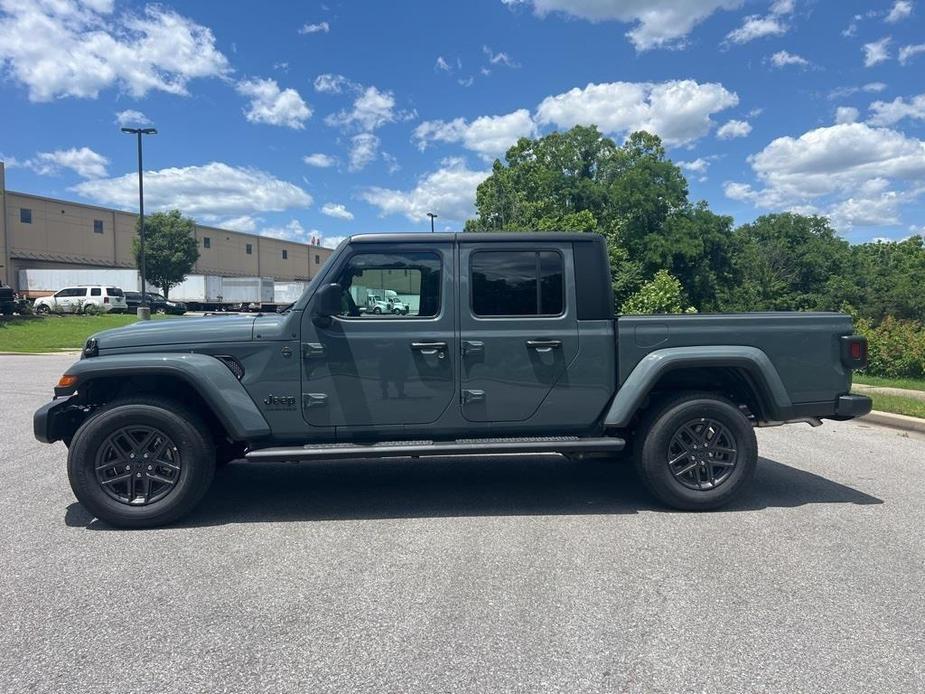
x=144, y=312
x=432, y=218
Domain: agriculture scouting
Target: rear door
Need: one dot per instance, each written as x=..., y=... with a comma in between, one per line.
x=518, y=331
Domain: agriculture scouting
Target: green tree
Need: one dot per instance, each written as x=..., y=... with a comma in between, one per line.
x=889, y=278
x=633, y=194
x=787, y=262
x=170, y=249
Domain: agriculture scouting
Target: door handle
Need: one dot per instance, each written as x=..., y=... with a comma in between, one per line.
x=429, y=348
x=473, y=347
x=544, y=345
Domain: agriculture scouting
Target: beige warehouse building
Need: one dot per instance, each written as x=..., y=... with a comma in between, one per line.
x=40, y=232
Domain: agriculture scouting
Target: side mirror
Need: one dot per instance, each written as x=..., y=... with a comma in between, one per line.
x=328, y=302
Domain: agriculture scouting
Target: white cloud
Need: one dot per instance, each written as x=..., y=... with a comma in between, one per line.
x=272, y=105
x=449, y=191
x=656, y=23
x=62, y=48
x=501, y=58
x=678, y=111
x=321, y=161
x=244, y=222
x=336, y=210
x=846, y=114
x=331, y=241
x=371, y=109
x=877, y=51
x=209, y=192
x=838, y=169
x=319, y=28
x=489, y=136
x=291, y=231
x=755, y=27
x=901, y=10
x=132, y=118
x=783, y=58
x=890, y=112
x=870, y=88
x=364, y=148
x=733, y=128
x=906, y=53
x=698, y=167
x=84, y=162
x=441, y=64
x=329, y=83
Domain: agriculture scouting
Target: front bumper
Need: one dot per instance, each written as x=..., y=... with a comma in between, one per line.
x=57, y=420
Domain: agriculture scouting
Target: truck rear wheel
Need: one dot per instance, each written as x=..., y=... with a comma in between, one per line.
x=141, y=463
x=695, y=452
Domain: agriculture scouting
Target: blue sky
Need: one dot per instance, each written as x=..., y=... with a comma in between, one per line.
x=323, y=119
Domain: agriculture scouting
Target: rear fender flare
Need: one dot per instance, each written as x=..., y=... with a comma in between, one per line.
x=646, y=374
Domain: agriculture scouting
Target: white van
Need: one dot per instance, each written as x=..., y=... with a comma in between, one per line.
x=75, y=299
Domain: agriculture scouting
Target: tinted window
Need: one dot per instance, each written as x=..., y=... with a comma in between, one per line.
x=248, y=249
x=133, y=296
x=97, y=226
x=516, y=283
x=114, y=291
x=392, y=285
x=285, y=254
x=25, y=215
x=96, y=291
x=206, y=242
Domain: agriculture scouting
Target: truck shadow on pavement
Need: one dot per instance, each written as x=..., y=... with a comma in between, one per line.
x=477, y=486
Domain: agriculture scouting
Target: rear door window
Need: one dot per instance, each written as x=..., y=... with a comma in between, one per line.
x=517, y=283
x=113, y=291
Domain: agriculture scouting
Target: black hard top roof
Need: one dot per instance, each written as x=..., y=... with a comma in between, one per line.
x=480, y=237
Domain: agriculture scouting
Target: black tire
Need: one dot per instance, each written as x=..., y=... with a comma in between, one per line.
x=42, y=309
x=711, y=482
x=377, y=310
x=194, y=452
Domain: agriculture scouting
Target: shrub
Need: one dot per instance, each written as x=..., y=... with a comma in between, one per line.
x=662, y=294
x=895, y=348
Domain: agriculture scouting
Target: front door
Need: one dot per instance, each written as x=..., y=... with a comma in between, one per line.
x=384, y=363
x=518, y=333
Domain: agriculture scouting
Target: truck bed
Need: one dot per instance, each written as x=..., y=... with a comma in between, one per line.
x=804, y=347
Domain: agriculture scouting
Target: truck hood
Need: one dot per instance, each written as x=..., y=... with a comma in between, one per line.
x=178, y=331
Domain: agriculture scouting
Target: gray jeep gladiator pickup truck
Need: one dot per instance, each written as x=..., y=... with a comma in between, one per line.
x=509, y=345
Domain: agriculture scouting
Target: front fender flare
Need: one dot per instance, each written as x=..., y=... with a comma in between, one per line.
x=209, y=377
x=653, y=366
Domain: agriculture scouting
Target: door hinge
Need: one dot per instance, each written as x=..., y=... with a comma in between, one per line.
x=314, y=400
x=472, y=396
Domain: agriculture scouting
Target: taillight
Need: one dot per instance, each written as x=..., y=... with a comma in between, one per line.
x=854, y=351
x=105, y=299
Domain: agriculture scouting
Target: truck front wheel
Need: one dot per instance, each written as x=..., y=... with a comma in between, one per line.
x=141, y=462
x=695, y=452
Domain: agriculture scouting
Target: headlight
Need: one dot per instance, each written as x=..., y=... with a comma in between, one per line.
x=91, y=349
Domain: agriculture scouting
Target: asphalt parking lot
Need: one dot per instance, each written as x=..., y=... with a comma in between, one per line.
x=521, y=574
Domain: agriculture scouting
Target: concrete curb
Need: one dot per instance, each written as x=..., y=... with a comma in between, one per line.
x=883, y=390
x=62, y=353
x=895, y=421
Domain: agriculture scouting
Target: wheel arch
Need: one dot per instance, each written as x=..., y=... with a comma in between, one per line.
x=745, y=374
x=199, y=380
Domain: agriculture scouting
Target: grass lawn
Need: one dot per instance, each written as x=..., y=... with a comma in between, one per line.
x=54, y=333
x=907, y=383
x=898, y=405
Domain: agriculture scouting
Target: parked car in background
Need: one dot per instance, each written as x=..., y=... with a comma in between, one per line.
x=77, y=299
x=157, y=302
x=7, y=300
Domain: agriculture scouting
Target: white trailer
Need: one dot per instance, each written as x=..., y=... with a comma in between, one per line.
x=34, y=283
x=285, y=293
x=247, y=291
x=199, y=291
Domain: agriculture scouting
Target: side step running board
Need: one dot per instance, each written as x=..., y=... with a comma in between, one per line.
x=397, y=449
